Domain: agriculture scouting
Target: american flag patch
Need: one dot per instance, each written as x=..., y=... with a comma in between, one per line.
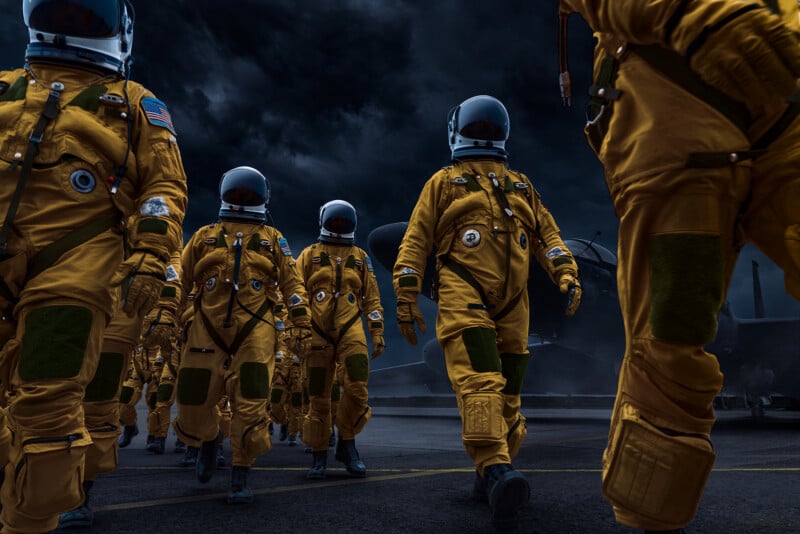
x=157, y=113
x=284, y=244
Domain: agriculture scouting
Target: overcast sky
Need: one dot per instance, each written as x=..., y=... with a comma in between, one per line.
x=348, y=99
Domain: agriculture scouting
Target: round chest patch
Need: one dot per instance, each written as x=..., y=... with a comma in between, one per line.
x=523, y=241
x=471, y=238
x=82, y=181
x=351, y=298
x=211, y=283
x=256, y=285
x=320, y=296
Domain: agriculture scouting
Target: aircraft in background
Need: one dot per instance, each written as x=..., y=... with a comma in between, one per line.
x=582, y=354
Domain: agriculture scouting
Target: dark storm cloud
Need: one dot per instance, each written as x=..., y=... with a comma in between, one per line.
x=349, y=99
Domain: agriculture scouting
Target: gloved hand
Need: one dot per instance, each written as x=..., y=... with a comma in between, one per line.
x=141, y=278
x=300, y=339
x=751, y=57
x=407, y=314
x=569, y=284
x=378, y=344
x=159, y=328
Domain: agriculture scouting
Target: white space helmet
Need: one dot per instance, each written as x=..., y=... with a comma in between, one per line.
x=243, y=195
x=98, y=33
x=478, y=126
x=337, y=223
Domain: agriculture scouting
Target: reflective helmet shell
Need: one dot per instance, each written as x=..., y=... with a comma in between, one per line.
x=98, y=33
x=244, y=195
x=337, y=223
x=479, y=126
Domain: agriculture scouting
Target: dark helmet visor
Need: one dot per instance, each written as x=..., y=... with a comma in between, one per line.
x=78, y=18
x=483, y=120
x=339, y=219
x=243, y=197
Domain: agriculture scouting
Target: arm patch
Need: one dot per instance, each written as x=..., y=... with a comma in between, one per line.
x=157, y=113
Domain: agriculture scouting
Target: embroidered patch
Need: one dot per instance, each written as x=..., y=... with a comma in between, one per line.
x=374, y=315
x=210, y=240
x=256, y=285
x=520, y=185
x=280, y=326
x=157, y=113
x=155, y=207
x=294, y=300
x=408, y=270
x=523, y=241
x=172, y=274
x=284, y=244
x=555, y=252
x=471, y=238
x=316, y=259
x=369, y=264
x=211, y=283
x=320, y=296
x=265, y=243
x=460, y=180
x=351, y=298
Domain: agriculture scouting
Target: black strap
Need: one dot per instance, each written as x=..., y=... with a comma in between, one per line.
x=49, y=113
x=465, y=275
x=677, y=69
x=48, y=255
x=779, y=127
x=241, y=335
x=508, y=307
x=237, y=262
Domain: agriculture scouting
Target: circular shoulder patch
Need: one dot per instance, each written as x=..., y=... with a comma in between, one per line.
x=471, y=238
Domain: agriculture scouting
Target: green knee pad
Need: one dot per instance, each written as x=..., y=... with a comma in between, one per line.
x=357, y=367
x=685, y=287
x=254, y=380
x=105, y=384
x=193, y=384
x=481, y=345
x=54, y=342
x=276, y=395
x=316, y=380
x=164, y=392
x=514, y=368
x=126, y=395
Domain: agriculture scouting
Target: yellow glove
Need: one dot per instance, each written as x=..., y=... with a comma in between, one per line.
x=569, y=284
x=159, y=328
x=300, y=340
x=378, y=344
x=750, y=56
x=407, y=314
x=141, y=278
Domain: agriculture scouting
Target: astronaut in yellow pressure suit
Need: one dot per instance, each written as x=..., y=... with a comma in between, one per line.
x=341, y=284
x=485, y=222
x=238, y=265
x=82, y=148
x=101, y=403
x=701, y=149
x=286, y=397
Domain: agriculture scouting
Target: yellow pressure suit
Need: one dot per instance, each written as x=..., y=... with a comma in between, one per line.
x=342, y=287
x=286, y=397
x=483, y=259
x=230, y=348
x=693, y=172
x=84, y=151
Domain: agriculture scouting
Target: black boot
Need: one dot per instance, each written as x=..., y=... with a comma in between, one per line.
x=507, y=491
x=157, y=445
x=81, y=517
x=128, y=431
x=189, y=458
x=180, y=447
x=271, y=428
x=240, y=493
x=319, y=465
x=284, y=433
x=479, y=488
x=332, y=439
x=220, y=455
x=347, y=453
x=207, y=459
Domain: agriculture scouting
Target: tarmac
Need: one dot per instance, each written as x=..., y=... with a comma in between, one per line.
x=420, y=479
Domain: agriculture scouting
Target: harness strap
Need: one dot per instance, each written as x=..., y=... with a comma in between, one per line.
x=241, y=335
x=780, y=125
x=49, y=113
x=48, y=255
x=676, y=68
x=465, y=275
x=237, y=261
